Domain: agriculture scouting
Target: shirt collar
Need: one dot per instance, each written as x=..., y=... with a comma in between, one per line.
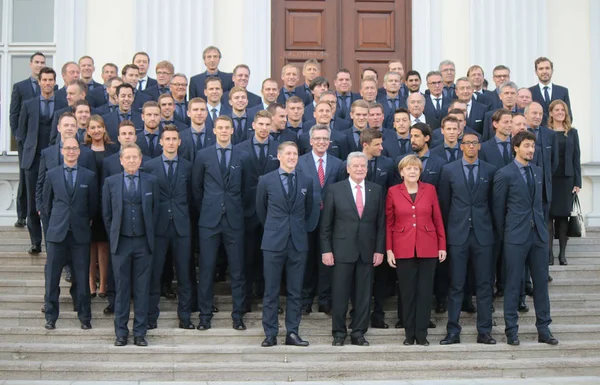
x=125, y=173
x=501, y=141
x=465, y=163
x=316, y=157
x=228, y=146
x=282, y=171
x=218, y=107
x=164, y=158
x=446, y=146
x=51, y=98
x=519, y=164
x=399, y=137
x=73, y=168
x=353, y=184
x=146, y=132
x=549, y=85
x=255, y=142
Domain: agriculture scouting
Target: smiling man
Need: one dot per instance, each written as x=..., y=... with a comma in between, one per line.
x=545, y=91
x=212, y=59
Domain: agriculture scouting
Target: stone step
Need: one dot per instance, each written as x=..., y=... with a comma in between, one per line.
x=468, y=350
x=300, y=371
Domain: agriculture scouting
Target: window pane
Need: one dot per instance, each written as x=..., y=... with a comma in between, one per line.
x=33, y=21
x=20, y=67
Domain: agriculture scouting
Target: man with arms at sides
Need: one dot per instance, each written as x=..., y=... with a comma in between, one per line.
x=450, y=150
x=21, y=92
x=131, y=75
x=323, y=114
x=124, y=112
x=261, y=158
x=392, y=100
x=76, y=91
x=130, y=208
x=218, y=189
x=294, y=108
x=436, y=105
x=352, y=231
x=475, y=110
x=242, y=126
x=317, y=86
x=413, y=82
x=465, y=192
x=111, y=91
x=323, y=169
x=359, y=113
x=519, y=219
x=33, y=135
x=508, y=96
x=86, y=64
x=336, y=123
x=343, y=93
x=476, y=75
x=282, y=129
x=310, y=70
x=173, y=231
x=167, y=112
x=164, y=74
x=241, y=77
x=142, y=61
x=448, y=70
x=523, y=99
x=212, y=58
x=149, y=139
x=399, y=144
x=70, y=72
x=283, y=206
x=99, y=95
x=178, y=88
x=501, y=75
x=290, y=74
x=545, y=91
x=70, y=199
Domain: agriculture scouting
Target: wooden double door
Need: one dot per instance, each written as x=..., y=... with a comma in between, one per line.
x=352, y=34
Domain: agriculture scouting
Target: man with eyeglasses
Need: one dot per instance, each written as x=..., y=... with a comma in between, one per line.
x=436, y=104
x=178, y=88
x=164, y=74
x=501, y=75
x=448, y=70
x=464, y=192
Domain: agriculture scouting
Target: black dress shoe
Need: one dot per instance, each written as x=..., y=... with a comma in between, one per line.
x=167, y=292
x=34, y=250
x=102, y=295
x=529, y=291
x=469, y=308
x=21, y=223
x=186, y=324
x=399, y=325
x=423, y=343
x=268, y=342
x=295, y=340
x=514, y=341
x=152, y=326
x=499, y=293
x=440, y=308
x=451, y=339
x=214, y=309
x=92, y=295
x=523, y=308
x=203, y=326
x=360, y=341
x=75, y=308
x=86, y=325
x=431, y=325
x=409, y=341
x=50, y=325
x=549, y=339
x=306, y=310
x=44, y=309
x=239, y=324
x=338, y=341
x=121, y=341
x=140, y=341
x=379, y=324
x=108, y=310
x=325, y=309
x=550, y=279
x=220, y=277
x=485, y=338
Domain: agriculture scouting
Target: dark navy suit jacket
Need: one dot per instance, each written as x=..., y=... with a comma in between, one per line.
x=388, y=113
x=489, y=152
x=440, y=151
x=546, y=157
x=253, y=99
x=431, y=171
x=21, y=92
x=463, y=209
x=198, y=83
x=153, y=91
x=286, y=135
x=338, y=146
x=143, y=145
x=111, y=120
x=303, y=94
x=174, y=197
x=573, y=156
x=477, y=116
x=61, y=94
x=558, y=93
x=353, y=97
x=54, y=125
x=112, y=206
x=491, y=99
x=96, y=97
x=384, y=173
x=309, y=112
x=140, y=97
x=187, y=148
x=282, y=218
x=391, y=146
x=339, y=124
x=70, y=213
x=281, y=97
x=437, y=138
x=225, y=110
x=111, y=165
x=434, y=118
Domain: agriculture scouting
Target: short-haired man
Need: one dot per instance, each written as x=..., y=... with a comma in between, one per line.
x=268, y=90
x=294, y=110
x=436, y=104
x=324, y=114
x=142, y=61
x=111, y=103
x=416, y=106
x=376, y=118
x=500, y=75
x=508, y=96
x=198, y=135
x=125, y=97
x=310, y=70
x=283, y=129
x=448, y=70
x=413, y=82
x=82, y=112
x=545, y=91
x=290, y=75
x=284, y=201
x=242, y=126
x=164, y=74
x=99, y=95
x=178, y=88
x=476, y=76
x=86, y=64
x=359, y=113
x=475, y=110
x=392, y=99
x=76, y=91
x=450, y=150
x=213, y=93
x=336, y=123
x=70, y=72
x=148, y=140
x=519, y=220
x=524, y=99
x=368, y=89
x=212, y=57
x=241, y=77
x=166, y=103
x=343, y=92
x=317, y=87
x=131, y=75
x=398, y=144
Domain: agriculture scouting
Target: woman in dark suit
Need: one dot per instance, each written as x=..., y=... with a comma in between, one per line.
x=98, y=141
x=415, y=240
x=566, y=181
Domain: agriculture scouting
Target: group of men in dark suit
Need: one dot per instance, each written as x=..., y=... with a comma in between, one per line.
x=221, y=173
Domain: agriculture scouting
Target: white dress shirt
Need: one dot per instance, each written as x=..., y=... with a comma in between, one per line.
x=421, y=119
x=549, y=85
x=316, y=159
x=362, y=189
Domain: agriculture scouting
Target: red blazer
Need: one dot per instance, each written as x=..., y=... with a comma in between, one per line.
x=418, y=224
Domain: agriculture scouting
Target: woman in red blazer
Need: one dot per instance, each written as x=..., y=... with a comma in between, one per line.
x=415, y=240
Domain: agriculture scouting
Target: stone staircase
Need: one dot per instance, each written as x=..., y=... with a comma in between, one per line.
x=30, y=352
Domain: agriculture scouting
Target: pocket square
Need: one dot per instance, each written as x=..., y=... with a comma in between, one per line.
x=148, y=194
x=477, y=120
x=83, y=186
x=303, y=191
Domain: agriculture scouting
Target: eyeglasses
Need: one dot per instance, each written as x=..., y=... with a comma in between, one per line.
x=71, y=149
x=179, y=84
x=434, y=83
x=468, y=144
x=321, y=139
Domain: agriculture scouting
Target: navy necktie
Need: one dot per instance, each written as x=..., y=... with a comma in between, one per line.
x=45, y=112
x=223, y=162
x=403, y=143
x=290, y=183
x=213, y=114
x=151, y=143
x=36, y=88
x=546, y=95
x=287, y=94
x=123, y=116
x=505, y=153
x=131, y=188
x=530, y=181
x=171, y=170
x=162, y=90
x=438, y=106
x=198, y=141
x=471, y=179
x=262, y=158
x=70, y=179
x=452, y=152
x=141, y=84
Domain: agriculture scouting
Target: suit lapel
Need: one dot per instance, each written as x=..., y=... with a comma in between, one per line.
x=215, y=171
x=350, y=197
x=328, y=169
x=76, y=185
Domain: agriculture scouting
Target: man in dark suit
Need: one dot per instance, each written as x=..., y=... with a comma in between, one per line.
x=283, y=206
x=76, y=91
x=436, y=105
x=508, y=97
x=450, y=150
x=269, y=94
x=501, y=75
x=105, y=101
x=70, y=72
x=324, y=114
x=213, y=92
x=70, y=199
x=545, y=91
x=112, y=164
x=475, y=110
x=368, y=89
x=323, y=169
x=167, y=112
x=241, y=77
x=359, y=112
x=290, y=75
x=173, y=232
x=317, y=87
x=413, y=82
x=477, y=76
x=21, y=92
x=212, y=58
x=335, y=123
x=86, y=65
x=519, y=219
x=343, y=92
x=261, y=158
x=310, y=70
x=396, y=66
x=130, y=209
x=523, y=99
x=34, y=135
x=148, y=140
x=131, y=75
x=99, y=95
x=399, y=144
x=416, y=106
x=353, y=241
x=142, y=61
x=164, y=75
x=218, y=193
x=464, y=192
x=197, y=136
x=448, y=70
x=242, y=125
x=282, y=129
x=178, y=88
x=294, y=111
x=392, y=100
x=124, y=112
x=420, y=138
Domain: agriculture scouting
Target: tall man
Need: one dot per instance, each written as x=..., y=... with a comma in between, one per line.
x=352, y=241
x=70, y=199
x=217, y=185
x=545, y=91
x=464, y=193
x=213, y=93
x=283, y=206
x=212, y=58
x=142, y=61
x=449, y=151
x=241, y=77
x=197, y=136
x=519, y=219
x=130, y=208
x=86, y=64
x=173, y=174
x=242, y=126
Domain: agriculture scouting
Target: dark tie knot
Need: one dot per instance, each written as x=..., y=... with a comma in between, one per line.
x=288, y=174
x=151, y=137
x=131, y=177
x=162, y=90
x=260, y=145
x=471, y=167
x=423, y=158
x=287, y=93
x=124, y=116
x=170, y=162
x=223, y=151
x=403, y=141
x=70, y=169
x=46, y=101
x=168, y=122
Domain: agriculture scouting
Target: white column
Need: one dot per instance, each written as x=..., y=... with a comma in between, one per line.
x=70, y=32
x=426, y=36
x=257, y=42
x=456, y=28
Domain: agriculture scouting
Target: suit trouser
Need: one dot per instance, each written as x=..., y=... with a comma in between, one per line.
x=180, y=247
x=22, y=190
x=33, y=219
x=534, y=254
x=351, y=277
x=132, y=261
x=233, y=241
x=295, y=264
x=482, y=261
x=442, y=281
x=415, y=281
x=253, y=258
x=60, y=254
x=381, y=284
x=527, y=274
x=317, y=276
x=498, y=274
